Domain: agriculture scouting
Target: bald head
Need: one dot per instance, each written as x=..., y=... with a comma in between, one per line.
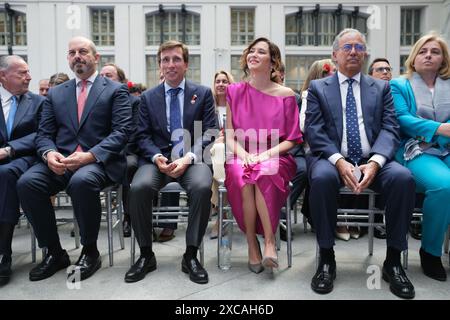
x=82, y=57
x=14, y=74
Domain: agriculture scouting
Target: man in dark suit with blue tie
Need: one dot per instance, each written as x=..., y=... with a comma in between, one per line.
x=173, y=107
x=84, y=126
x=351, y=129
x=18, y=125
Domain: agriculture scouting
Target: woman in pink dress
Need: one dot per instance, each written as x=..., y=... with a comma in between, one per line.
x=262, y=125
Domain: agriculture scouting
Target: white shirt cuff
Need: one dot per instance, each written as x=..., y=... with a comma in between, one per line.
x=334, y=158
x=193, y=156
x=378, y=158
x=156, y=156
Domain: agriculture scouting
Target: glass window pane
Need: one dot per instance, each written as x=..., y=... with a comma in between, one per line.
x=236, y=71
x=242, y=26
x=102, y=25
x=297, y=68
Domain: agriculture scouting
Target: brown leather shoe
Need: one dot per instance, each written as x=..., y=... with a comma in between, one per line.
x=166, y=235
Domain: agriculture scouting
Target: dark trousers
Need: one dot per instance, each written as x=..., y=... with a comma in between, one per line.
x=298, y=182
x=10, y=172
x=148, y=180
x=393, y=181
x=83, y=186
x=132, y=166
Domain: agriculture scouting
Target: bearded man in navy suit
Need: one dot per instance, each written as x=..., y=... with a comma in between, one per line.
x=18, y=124
x=351, y=128
x=84, y=127
x=166, y=155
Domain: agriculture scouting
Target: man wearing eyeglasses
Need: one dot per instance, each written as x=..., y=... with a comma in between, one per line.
x=353, y=134
x=380, y=68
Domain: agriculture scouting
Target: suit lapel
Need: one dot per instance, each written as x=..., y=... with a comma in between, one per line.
x=160, y=104
x=332, y=93
x=97, y=88
x=70, y=92
x=189, y=108
x=3, y=125
x=24, y=104
x=368, y=95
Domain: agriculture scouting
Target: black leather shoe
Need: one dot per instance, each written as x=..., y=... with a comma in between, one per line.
x=5, y=269
x=432, y=266
x=415, y=230
x=196, y=271
x=141, y=267
x=322, y=282
x=49, y=266
x=399, y=283
x=283, y=234
x=126, y=228
x=379, y=232
x=86, y=266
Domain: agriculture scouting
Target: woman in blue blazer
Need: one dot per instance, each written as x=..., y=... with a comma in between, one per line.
x=422, y=103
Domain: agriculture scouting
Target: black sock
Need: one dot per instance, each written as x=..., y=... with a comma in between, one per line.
x=55, y=249
x=146, y=252
x=392, y=257
x=6, y=235
x=327, y=256
x=191, y=252
x=90, y=250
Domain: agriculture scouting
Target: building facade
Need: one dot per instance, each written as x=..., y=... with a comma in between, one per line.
x=129, y=33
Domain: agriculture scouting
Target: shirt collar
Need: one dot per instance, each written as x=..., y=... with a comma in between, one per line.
x=5, y=94
x=90, y=79
x=181, y=85
x=342, y=78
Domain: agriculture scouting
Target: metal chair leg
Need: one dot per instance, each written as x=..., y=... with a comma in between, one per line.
x=120, y=216
x=133, y=247
x=219, y=233
x=33, y=245
x=288, y=232
x=109, y=223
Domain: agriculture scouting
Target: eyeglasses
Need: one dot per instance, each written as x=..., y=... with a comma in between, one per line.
x=358, y=47
x=382, y=69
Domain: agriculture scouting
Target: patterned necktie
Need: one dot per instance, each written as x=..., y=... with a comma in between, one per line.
x=12, y=114
x=80, y=105
x=175, y=115
x=353, y=139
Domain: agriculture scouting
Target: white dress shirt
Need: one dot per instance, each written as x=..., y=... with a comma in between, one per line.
x=6, y=102
x=365, y=146
x=90, y=82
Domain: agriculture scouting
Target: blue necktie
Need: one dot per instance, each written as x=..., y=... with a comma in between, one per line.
x=175, y=115
x=12, y=114
x=353, y=138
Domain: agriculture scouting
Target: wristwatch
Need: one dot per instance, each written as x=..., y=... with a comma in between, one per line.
x=8, y=151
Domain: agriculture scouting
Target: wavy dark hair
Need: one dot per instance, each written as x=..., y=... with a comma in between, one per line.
x=275, y=58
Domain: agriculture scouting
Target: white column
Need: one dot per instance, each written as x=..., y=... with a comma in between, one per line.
x=222, y=25
x=263, y=21
x=122, y=22
x=207, y=44
x=136, y=35
x=393, y=37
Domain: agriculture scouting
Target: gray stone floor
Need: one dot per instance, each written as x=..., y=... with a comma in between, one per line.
x=168, y=282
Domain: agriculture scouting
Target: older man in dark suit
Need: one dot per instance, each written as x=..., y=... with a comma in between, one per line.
x=352, y=130
x=18, y=125
x=83, y=129
x=166, y=155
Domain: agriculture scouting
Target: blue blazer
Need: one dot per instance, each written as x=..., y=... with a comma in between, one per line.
x=24, y=127
x=103, y=129
x=152, y=134
x=412, y=126
x=324, y=122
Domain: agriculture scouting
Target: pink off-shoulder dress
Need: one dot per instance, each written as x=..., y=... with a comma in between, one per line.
x=261, y=120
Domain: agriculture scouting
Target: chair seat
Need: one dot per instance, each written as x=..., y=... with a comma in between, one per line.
x=172, y=187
